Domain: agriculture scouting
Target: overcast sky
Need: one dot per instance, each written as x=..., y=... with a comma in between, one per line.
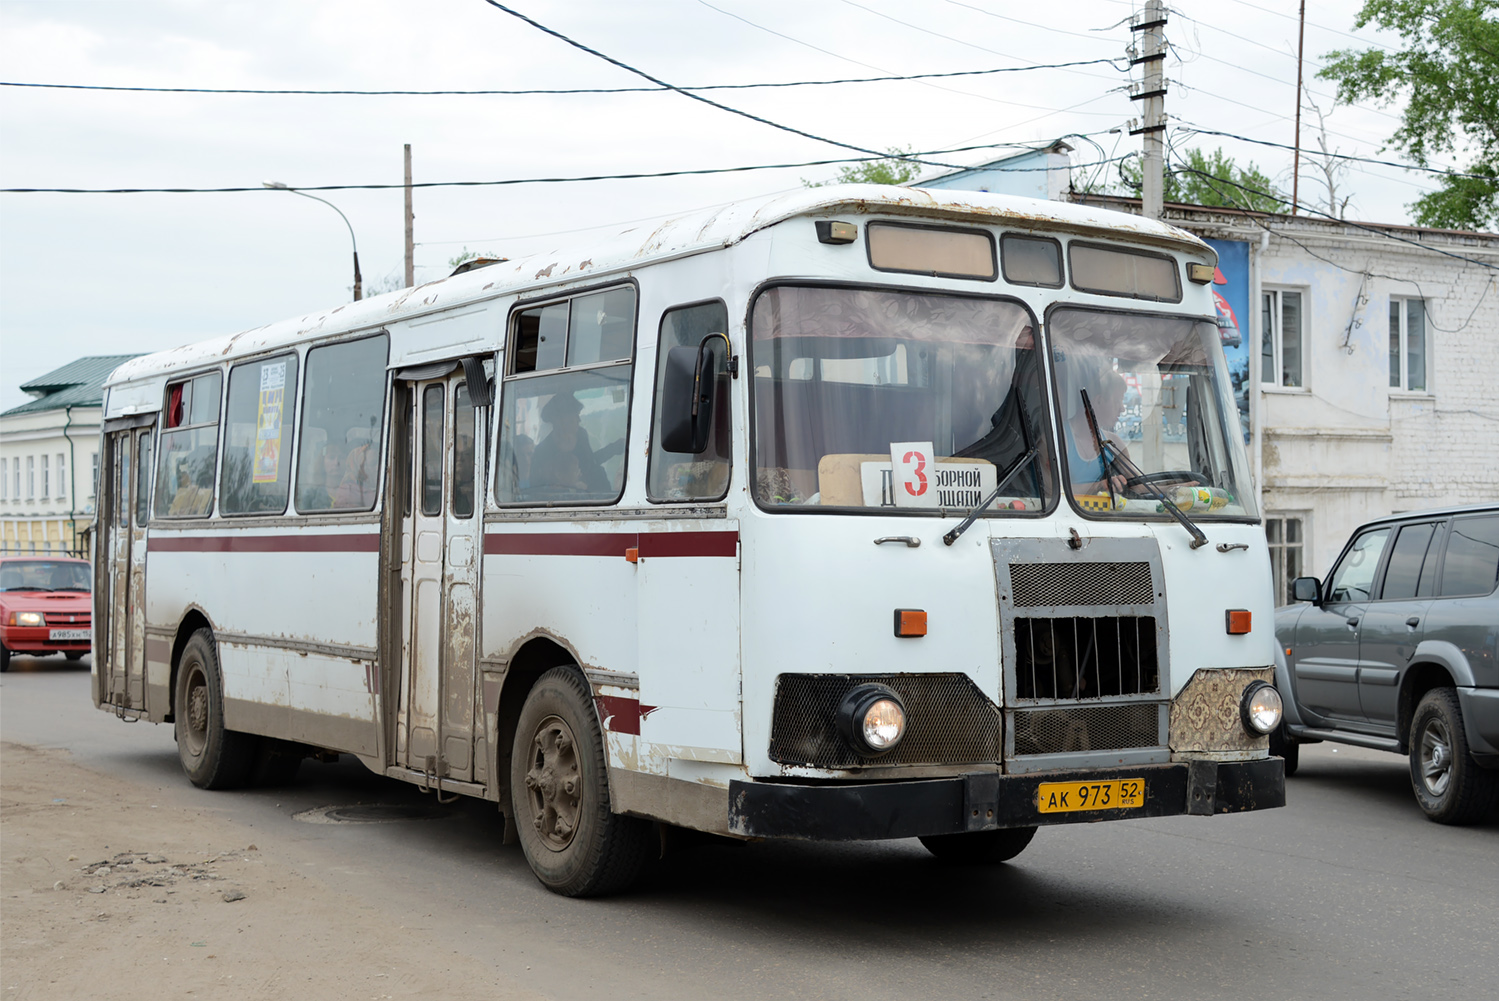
x=115, y=273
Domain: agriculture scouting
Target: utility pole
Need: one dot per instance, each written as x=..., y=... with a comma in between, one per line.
x=1296, y=160
x=410, y=219
x=1152, y=54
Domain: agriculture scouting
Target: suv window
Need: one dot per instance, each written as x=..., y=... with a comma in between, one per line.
x=1472, y=563
x=1353, y=580
x=1412, y=552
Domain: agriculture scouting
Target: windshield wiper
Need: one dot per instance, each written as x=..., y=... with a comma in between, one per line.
x=1114, y=457
x=1004, y=481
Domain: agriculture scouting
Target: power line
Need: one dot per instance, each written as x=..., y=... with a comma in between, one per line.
x=1030, y=24
x=1314, y=24
x=914, y=157
x=549, y=91
x=1212, y=179
x=697, y=97
x=1339, y=156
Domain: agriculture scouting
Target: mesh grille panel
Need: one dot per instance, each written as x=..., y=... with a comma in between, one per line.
x=948, y=720
x=1050, y=584
x=1087, y=728
x=1085, y=657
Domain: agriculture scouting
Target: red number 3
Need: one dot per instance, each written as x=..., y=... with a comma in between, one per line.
x=918, y=472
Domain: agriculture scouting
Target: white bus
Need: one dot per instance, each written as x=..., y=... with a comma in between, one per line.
x=860, y=512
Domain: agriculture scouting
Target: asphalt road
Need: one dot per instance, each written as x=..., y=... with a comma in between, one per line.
x=1348, y=892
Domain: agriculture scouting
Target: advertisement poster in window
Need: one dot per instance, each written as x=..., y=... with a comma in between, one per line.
x=268, y=423
x=1231, y=297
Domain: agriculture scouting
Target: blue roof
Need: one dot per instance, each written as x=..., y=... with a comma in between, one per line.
x=79, y=383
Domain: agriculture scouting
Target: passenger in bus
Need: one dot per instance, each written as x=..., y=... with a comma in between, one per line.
x=356, y=489
x=565, y=460
x=194, y=494
x=318, y=495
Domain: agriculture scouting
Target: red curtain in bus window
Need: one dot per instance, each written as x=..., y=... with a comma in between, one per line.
x=174, y=405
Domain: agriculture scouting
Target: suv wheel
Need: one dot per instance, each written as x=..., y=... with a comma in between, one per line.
x=1449, y=785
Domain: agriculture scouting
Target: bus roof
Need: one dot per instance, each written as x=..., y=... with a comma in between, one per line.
x=635, y=246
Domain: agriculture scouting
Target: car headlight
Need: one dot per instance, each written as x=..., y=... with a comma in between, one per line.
x=872, y=718
x=1260, y=708
x=27, y=619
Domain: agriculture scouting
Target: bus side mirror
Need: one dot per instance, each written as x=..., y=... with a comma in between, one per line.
x=688, y=380
x=1307, y=589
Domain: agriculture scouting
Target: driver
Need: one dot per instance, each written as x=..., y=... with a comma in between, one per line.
x=1089, y=471
x=565, y=459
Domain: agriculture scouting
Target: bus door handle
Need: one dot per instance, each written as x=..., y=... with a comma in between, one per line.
x=909, y=540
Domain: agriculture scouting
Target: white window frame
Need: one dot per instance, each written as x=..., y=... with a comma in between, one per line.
x=1281, y=578
x=62, y=479
x=4, y=479
x=1400, y=380
x=31, y=477
x=46, y=478
x=93, y=483
x=1274, y=333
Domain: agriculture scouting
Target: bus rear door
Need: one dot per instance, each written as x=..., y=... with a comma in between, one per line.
x=120, y=631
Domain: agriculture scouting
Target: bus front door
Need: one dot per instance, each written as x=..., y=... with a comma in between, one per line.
x=441, y=533
x=122, y=633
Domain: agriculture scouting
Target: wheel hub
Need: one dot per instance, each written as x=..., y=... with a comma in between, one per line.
x=197, y=712
x=554, y=785
x=1436, y=758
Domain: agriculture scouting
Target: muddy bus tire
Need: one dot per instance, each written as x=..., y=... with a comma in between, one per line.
x=212, y=756
x=979, y=847
x=559, y=790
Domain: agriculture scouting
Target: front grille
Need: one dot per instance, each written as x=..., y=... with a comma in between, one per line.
x=1037, y=585
x=1085, y=657
x=1087, y=728
x=67, y=618
x=948, y=721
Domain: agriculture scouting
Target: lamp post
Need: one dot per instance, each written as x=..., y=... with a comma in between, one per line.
x=358, y=282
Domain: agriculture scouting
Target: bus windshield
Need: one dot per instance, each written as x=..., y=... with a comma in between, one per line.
x=849, y=380
x=1161, y=412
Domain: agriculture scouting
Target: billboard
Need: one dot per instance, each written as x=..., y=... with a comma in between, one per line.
x=1231, y=296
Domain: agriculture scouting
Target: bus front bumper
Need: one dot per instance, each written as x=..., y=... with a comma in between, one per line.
x=986, y=801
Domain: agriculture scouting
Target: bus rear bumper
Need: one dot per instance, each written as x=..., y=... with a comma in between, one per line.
x=986, y=801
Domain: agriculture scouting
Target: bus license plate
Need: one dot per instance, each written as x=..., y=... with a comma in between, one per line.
x=63, y=635
x=1109, y=794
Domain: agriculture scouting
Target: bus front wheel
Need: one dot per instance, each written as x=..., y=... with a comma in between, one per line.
x=212, y=756
x=979, y=847
x=559, y=791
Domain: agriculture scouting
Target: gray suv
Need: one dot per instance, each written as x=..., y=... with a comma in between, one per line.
x=1399, y=651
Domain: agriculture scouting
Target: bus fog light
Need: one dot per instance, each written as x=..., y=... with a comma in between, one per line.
x=872, y=718
x=1260, y=708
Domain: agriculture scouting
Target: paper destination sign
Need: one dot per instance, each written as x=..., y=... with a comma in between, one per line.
x=267, y=460
x=915, y=478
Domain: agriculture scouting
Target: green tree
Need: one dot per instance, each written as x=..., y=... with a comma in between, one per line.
x=1448, y=71
x=894, y=169
x=1199, y=179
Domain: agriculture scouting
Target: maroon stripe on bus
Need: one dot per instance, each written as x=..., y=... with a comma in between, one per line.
x=649, y=544
x=361, y=543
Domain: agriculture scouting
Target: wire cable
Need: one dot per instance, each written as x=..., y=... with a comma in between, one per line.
x=545, y=91
x=698, y=97
x=914, y=157
x=1338, y=156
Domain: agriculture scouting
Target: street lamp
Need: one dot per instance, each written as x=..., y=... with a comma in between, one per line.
x=358, y=282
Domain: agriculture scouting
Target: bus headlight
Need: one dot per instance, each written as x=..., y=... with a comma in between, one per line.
x=872, y=718
x=26, y=619
x=1260, y=708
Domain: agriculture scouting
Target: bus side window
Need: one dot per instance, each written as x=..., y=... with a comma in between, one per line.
x=189, y=448
x=256, y=478
x=343, y=411
x=565, y=405
x=704, y=476
x=143, y=478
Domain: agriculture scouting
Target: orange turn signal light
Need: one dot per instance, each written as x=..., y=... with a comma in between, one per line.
x=1237, y=621
x=632, y=555
x=910, y=622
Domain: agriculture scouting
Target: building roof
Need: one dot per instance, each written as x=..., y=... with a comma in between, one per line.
x=79, y=383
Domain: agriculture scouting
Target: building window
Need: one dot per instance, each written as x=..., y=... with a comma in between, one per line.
x=46, y=480
x=1408, y=344
x=4, y=479
x=93, y=483
x=31, y=477
x=62, y=478
x=1280, y=339
x=1287, y=537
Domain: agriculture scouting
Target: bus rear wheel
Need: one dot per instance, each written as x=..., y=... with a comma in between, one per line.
x=979, y=847
x=559, y=791
x=213, y=757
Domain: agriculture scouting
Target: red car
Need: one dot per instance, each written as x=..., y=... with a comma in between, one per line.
x=45, y=606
